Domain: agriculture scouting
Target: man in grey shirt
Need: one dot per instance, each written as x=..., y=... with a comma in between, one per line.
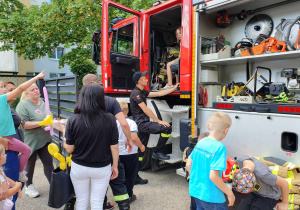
x=268, y=189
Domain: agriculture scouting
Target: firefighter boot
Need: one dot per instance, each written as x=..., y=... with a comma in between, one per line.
x=70, y=205
x=124, y=205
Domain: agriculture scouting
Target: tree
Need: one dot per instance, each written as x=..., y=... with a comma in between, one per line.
x=8, y=7
x=82, y=69
x=33, y=32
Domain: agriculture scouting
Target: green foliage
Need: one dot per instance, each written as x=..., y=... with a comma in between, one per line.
x=33, y=32
x=81, y=69
x=7, y=7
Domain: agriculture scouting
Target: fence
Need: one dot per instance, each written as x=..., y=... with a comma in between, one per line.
x=62, y=93
x=16, y=79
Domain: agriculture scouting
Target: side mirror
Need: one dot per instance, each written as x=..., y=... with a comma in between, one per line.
x=96, y=48
x=96, y=36
x=111, y=30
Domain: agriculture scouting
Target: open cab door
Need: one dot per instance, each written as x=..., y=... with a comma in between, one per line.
x=120, y=53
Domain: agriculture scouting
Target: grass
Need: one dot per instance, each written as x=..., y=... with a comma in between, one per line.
x=66, y=101
x=65, y=109
x=62, y=93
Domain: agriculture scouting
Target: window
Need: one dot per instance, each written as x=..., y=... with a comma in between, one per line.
x=123, y=40
x=32, y=73
x=57, y=53
x=57, y=75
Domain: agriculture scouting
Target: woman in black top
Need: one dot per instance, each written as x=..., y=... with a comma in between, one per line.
x=92, y=138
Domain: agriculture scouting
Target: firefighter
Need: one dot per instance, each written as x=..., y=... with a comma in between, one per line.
x=142, y=114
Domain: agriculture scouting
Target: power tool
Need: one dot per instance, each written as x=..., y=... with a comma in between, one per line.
x=224, y=19
x=286, y=31
x=268, y=45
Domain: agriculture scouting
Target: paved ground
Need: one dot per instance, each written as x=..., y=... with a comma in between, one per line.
x=165, y=190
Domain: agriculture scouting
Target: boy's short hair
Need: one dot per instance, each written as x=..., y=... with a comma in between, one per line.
x=203, y=135
x=219, y=121
x=123, y=105
x=244, y=181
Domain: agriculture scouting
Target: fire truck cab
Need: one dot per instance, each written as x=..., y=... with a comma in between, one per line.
x=141, y=41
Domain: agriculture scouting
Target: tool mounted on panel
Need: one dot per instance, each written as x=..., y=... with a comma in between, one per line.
x=224, y=19
x=288, y=31
x=203, y=96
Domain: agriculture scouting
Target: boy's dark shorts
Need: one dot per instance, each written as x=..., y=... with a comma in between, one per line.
x=175, y=66
x=197, y=204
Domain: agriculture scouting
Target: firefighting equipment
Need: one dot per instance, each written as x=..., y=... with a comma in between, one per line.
x=268, y=45
x=232, y=89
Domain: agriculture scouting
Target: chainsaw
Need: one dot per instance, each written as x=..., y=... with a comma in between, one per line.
x=268, y=45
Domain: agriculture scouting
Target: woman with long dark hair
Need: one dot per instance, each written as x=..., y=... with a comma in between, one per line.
x=92, y=138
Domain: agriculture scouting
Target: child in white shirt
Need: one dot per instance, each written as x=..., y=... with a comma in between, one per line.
x=129, y=160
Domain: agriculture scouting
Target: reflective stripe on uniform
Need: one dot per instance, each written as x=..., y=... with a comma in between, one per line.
x=275, y=170
x=290, y=175
x=140, y=158
x=165, y=135
x=121, y=197
x=291, y=199
x=290, y=183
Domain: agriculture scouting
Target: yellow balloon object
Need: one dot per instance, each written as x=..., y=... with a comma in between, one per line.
x=54, y=151
x=62, y=161
x=68, y=160
x=47, y=121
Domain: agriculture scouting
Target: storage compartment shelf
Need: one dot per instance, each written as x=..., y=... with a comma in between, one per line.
x=255, y=58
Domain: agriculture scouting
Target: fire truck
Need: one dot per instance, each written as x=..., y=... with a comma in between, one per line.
x=232, y=59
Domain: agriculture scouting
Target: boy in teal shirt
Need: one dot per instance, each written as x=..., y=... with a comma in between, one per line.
x=206, y=164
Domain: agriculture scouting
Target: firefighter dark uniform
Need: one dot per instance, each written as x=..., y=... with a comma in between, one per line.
x=145, y=127
x=119, y=189
x=117, y=185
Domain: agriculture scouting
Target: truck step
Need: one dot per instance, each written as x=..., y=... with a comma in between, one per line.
x=174, y=159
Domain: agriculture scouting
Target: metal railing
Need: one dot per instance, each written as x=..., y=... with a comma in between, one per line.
x=63, y=94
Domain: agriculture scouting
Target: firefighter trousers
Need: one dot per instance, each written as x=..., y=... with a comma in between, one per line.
x=146, y=128
x=118, y=186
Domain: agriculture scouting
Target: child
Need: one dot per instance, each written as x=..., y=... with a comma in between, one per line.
x=7, y=127
x=256, y=176
x=206, y=164
x=169, y=72
x=130, y=160
x=7, y=204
